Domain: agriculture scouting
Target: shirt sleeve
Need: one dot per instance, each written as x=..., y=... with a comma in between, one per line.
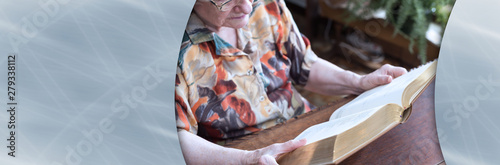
x=295, y=46
x=184, y=116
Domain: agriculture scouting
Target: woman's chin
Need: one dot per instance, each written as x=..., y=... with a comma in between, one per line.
x=238, y=23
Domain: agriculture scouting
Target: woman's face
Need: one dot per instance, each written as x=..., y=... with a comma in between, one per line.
x=235, y=13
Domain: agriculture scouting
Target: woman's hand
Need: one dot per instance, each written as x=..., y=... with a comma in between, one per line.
x=268, y=155
x=381, y=76
x=328, y=79
x=197, y=150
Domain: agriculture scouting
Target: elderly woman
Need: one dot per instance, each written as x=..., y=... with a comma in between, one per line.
x=237, y=66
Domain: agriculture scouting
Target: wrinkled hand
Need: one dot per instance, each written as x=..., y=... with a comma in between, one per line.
x=268, y=155
x=381, y=76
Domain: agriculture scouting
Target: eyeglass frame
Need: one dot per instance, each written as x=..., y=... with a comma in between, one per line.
x=219, y=7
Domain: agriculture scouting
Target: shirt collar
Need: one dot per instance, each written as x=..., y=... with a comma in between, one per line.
x=198, y=33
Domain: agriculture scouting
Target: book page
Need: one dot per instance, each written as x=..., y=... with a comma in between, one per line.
x=335, y=127
x=385, y=94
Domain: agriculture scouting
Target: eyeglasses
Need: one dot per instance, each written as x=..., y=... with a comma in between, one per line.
x=225, y=5
x=222, y=4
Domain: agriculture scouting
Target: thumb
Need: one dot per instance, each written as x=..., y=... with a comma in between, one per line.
x=267, y=160
x=268, y=155
x=295, y=144
x=372, y=81
x=280, y=148
x=381, y=80
x=291, y=145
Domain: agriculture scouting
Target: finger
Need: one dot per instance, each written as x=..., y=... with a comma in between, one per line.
x=291, y=145
x=379, y=80
x=394, y=71
x=270, y=153
x=280, y=148
x=397, y=71
x=267, y=160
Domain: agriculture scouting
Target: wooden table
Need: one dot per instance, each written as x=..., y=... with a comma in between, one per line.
x=414, y=142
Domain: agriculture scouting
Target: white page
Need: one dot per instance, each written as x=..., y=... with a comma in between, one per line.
x=382, y=95
x=335, y=127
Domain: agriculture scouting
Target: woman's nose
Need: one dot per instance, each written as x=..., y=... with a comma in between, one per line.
x=244, y=6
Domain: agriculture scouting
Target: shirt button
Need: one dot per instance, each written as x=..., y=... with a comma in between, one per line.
x=261, y=98
x=249, y=72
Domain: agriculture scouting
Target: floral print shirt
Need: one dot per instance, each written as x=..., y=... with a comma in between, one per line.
x=223, y=92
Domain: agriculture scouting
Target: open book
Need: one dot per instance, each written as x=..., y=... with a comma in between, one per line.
x=361, y=121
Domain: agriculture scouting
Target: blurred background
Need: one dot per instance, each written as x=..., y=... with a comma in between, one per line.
x=362, y=35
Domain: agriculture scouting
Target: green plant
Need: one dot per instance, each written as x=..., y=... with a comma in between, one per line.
x=411, y=18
